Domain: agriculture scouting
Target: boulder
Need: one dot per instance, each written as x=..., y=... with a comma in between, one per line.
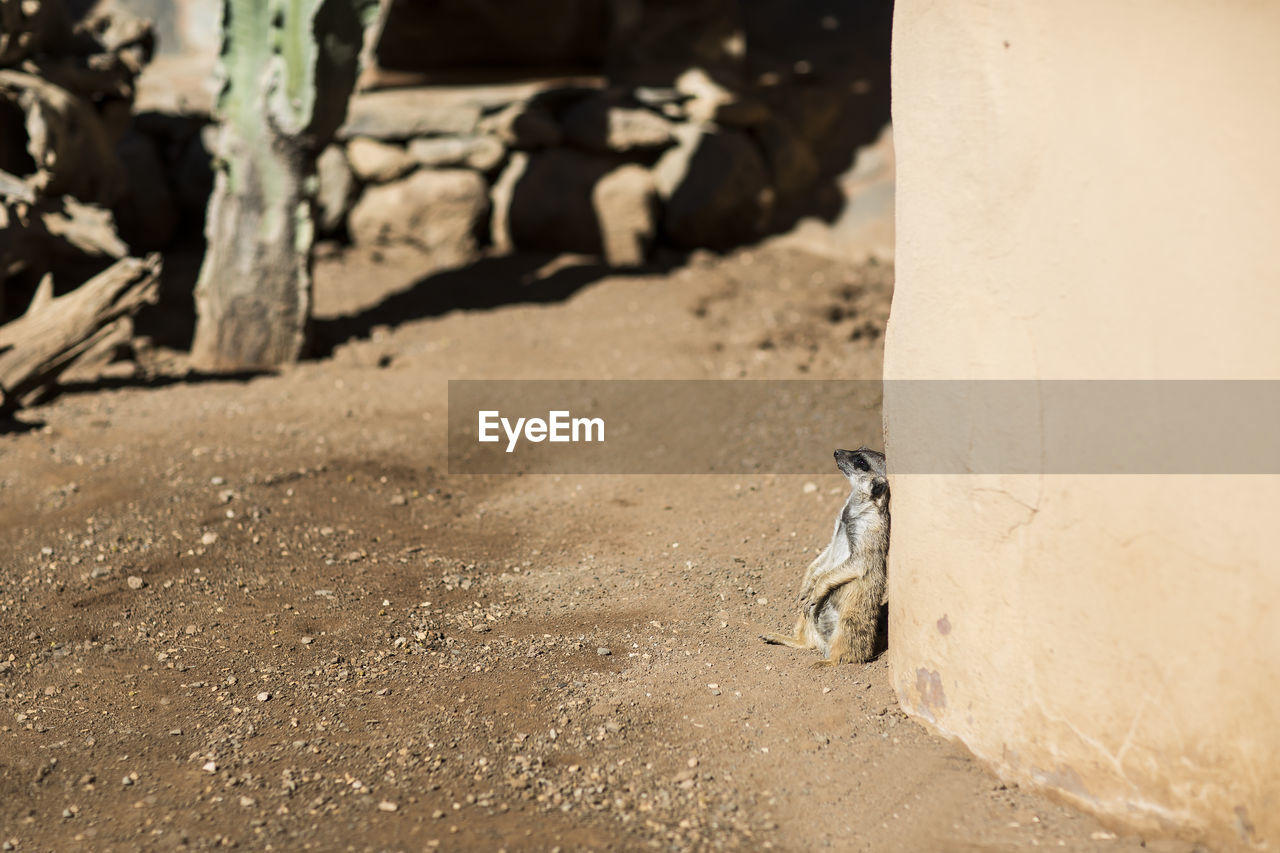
x=501, y=194
x=394, y=115
x=524, y=125
x=600, y=123
x=336, y=190
x=813, y=110
x=378, y=162
x=791, y=161
x=437, y=211
x=626, y=202
x=552, y=204
x=709, y=101
x=482, y=153
x=715, y=187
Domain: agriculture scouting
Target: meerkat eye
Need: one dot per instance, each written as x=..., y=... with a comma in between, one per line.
x=860, y=464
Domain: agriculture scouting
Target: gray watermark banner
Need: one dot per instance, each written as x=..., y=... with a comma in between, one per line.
x=642, y=426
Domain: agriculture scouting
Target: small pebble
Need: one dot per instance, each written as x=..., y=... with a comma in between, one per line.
x=210, y=767
x=264, y=696
x=604, y=652
x=135, y=582
x=387, y=806
x=209, y=538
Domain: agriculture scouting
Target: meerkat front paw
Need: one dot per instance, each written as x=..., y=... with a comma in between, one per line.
x=815, y=600
x=825, y=663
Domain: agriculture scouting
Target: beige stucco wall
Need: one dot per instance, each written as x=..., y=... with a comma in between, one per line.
x=1091, y=190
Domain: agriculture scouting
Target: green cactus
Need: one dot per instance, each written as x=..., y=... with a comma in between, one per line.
x=287, y=68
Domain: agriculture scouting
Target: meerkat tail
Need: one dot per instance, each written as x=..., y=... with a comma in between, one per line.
x=800, y=638
x=781, y=640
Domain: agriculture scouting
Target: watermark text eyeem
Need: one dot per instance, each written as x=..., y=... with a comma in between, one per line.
x=559, y=426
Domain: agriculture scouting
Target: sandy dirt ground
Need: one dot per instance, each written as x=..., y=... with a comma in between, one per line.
x=259, y=612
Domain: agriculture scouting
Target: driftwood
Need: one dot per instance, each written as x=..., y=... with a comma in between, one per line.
x=67, y=143
x=53, y=236
x=67, y=76
x=55, y=333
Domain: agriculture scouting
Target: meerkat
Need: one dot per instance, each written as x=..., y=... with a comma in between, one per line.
x=844, y=587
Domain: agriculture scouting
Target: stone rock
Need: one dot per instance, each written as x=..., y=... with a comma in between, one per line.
x=525, y=125
x=378, y=162
x=602, y=124
x=552, y=205
x=742, y=112
x=657, y=96
x=148, y=213
x=626, y=203
x=501, y=193
x=715, y=186
x=813, y=110
x=394, y=115
x=709, y=101
x=437, y=211
x=482, y=153
x=698, y=84
x=336, y=189
x=791, y=161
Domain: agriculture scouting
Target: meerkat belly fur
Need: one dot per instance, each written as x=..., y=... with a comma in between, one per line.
x=844, y=587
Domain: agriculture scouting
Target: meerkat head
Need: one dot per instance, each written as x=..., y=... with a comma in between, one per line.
x=860, y=463
x=867, y=474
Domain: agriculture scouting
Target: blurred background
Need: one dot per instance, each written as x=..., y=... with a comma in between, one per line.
x=620, y=135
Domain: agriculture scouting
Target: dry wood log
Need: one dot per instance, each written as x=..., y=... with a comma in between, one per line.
x=58, y=235
x=13, y=188
x=37, y=347
x=66, y=141
x=83, y=228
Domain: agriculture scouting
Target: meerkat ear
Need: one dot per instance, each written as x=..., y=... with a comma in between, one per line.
x=879, y=486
